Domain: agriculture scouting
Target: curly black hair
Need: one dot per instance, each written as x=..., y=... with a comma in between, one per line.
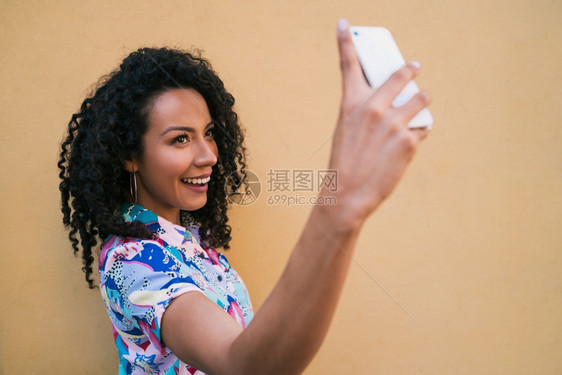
x=108, y=130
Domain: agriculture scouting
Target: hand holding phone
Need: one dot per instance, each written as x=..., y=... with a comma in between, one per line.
x=380, y=57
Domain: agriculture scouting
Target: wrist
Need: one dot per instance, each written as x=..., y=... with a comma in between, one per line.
x=339, y=214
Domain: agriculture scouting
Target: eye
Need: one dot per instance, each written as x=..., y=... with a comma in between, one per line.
x=181, y=139
x=210, y=132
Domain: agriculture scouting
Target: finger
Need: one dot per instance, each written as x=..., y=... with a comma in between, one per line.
x=420, y=133
x=351, y=69
x=418, y=102
x=398, y=80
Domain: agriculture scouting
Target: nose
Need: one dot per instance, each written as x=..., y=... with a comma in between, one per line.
x=206, y=153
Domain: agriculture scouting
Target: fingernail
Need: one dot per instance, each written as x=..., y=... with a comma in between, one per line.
x=416, y=64
x=342, y=24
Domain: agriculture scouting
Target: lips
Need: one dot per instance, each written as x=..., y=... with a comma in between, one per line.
x=196, y=180
x=197, y=184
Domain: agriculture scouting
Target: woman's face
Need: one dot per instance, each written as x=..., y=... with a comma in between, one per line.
x=179, y=153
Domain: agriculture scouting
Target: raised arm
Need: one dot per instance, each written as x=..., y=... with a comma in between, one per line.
x=371, y=149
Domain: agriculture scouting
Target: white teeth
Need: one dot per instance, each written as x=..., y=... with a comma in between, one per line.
x=198, y=181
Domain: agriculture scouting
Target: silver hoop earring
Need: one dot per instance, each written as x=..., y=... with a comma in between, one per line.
x=133, y=186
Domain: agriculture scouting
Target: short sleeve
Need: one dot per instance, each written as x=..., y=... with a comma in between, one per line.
x=139, y=279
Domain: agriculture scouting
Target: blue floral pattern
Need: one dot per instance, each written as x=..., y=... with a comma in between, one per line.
x=139, y=279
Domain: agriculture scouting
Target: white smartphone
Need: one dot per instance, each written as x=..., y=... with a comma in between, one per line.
x=380, y=57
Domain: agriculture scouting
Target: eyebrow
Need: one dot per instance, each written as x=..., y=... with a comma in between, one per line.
x=185, y=128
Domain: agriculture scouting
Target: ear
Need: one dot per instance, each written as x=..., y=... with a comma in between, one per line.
x=131, y=166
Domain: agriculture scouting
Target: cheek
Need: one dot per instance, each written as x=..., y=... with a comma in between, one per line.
x=173, y=166
x=164, y=164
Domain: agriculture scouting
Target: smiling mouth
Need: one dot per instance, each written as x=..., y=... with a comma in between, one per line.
x=196, y=181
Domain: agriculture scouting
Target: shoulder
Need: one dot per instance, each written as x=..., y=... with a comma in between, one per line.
x=217, y=258
x=116, y=248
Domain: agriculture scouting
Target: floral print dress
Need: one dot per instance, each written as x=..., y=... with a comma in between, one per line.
x=139, y=279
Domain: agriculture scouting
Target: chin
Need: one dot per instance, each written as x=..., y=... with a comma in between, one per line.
x=192, y=206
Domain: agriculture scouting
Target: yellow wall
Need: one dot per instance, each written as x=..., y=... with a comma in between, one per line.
x=468, y=247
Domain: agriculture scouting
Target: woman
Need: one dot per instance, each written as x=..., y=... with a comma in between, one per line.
x=144, y=169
